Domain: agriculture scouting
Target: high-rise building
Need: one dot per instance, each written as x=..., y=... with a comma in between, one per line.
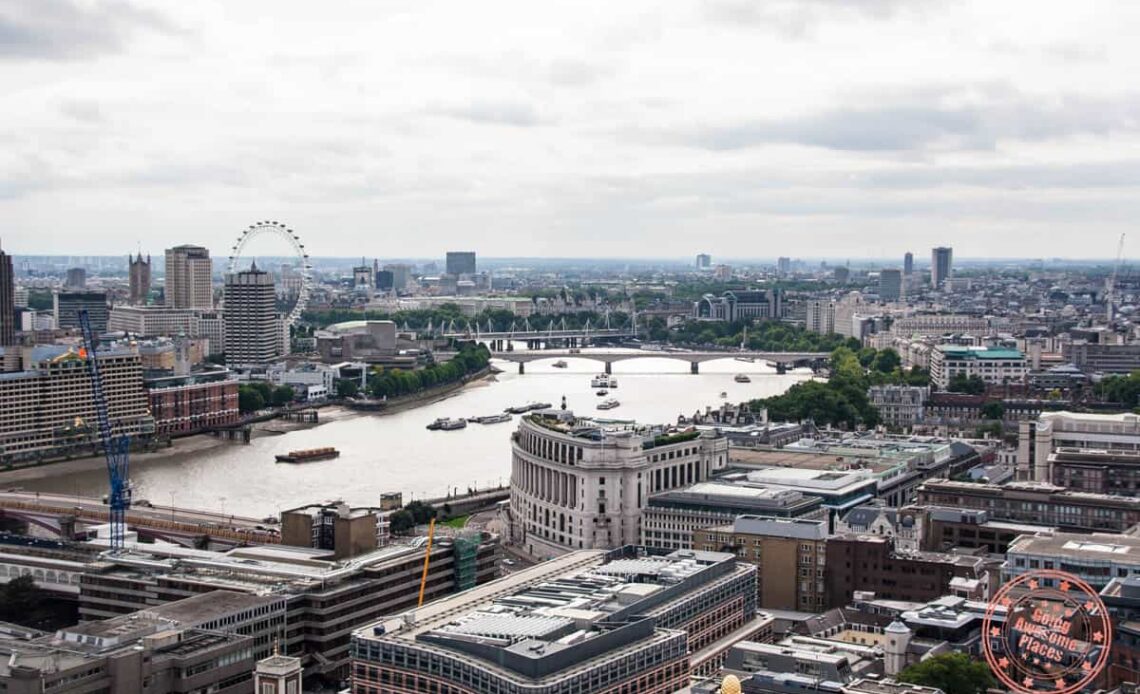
x=908, y=264
x=76, y=278
x=362, y=275
x=890, y=285
x=140, y=279
x=784, y=266
x=188, y=278
x=401, y=275
x=461, y=262
x=7, y=300
x=252, y=330
x=941, y=266
x=68, y=305
x=704, y=261
x=842, y=274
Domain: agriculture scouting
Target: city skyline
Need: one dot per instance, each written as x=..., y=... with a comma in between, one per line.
x=647, y=131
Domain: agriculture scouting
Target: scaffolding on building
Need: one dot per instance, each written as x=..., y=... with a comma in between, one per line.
x=466, y=550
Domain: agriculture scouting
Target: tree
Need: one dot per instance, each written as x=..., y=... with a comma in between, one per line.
x=21, y=599
x=993, y=410
x=973, y=385
x=282, y=395
x=249, y=399
x=347, y=388
x=953, y=673
x=886, y=361
x=402, y=521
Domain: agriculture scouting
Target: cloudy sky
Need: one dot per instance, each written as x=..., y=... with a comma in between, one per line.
x=744, y=128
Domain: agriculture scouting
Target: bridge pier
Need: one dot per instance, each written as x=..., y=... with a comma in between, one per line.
x=522, y=368
x=694, y=367
x=609, y=367
x=781, y=368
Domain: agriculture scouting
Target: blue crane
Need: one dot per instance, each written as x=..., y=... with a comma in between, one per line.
x=115, y=448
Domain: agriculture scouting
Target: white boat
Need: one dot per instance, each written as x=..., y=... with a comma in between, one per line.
x=603, y=381
x=608, y=404
x=750, y=360
x=742, y=378
x=560, y=364
x=447, y=424
x=491, y=418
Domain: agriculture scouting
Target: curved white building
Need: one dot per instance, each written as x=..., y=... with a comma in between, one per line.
x=579, y=483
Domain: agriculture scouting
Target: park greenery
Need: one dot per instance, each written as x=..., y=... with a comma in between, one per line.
x=257, y=395
x=953, y=673
x=1124, y=390
x=471, y=358
x=842, y=399
x=970, y=385
x=414, y=513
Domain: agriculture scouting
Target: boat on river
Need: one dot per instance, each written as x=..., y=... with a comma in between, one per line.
x=529, y=407
x=604, y=381
x=491, y=418
x=602, y=392
x=608, y=404
x=560, y=364
x=308, y=456
x=447, y=424
x=742, y=378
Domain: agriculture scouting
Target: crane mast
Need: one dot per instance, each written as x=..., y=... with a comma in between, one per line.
x=1110, y=288
x=116, y=449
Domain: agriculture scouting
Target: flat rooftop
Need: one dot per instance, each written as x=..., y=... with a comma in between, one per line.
x=1098, y=547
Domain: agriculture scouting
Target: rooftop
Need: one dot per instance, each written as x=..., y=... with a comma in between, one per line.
x=1094, y=547
x=964, y=352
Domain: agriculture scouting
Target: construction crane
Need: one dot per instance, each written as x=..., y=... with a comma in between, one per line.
x=427, y=562
x=1110, y=289
x=115, y=448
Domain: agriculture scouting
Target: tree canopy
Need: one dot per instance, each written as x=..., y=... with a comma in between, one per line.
x=953, y=673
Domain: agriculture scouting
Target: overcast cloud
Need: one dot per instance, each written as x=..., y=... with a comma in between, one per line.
x=576, y=128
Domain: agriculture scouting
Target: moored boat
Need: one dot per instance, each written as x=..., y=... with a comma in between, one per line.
x=491, y=418
x=608, y=404
x=308, y=456
x=603, y=381
x=447, y=424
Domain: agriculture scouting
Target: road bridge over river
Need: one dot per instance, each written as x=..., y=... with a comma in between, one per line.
x=781, y=360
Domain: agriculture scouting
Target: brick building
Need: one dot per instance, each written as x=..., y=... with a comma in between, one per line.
x=184, y=405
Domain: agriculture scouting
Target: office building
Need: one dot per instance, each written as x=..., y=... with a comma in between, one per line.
x=899, y=406
x=1036, y=503
x=139, y=280
x=325, y=599
x=938, y=324
x=67, y=306
x=946, y=529
x=820, y=316
x=869, y=563
x=1093, y=358
x=941, y=266
x=579, y=483
x=589, y=621
x=156, y=321
x=1096, y=558
x=188, y=279
x=385, y=280
x=76, y=278
x=48, y=406
x=890, y=285
x=191, y=403
x=740, y=305
x=460, y=263
x=1094, y=471
x=1037, y=439
x=841, y=274
x=704, y=261
x=401, y=275
x=789, y=555
x=784, y=266
x=995, y=366
x=346, y=531
x=908, y=264
x=252, y=329
x=278, y=674
x=671, y=518
x=206, y=643
x=7, y=300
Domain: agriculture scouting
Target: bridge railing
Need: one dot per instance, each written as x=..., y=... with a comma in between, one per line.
x=232, y=534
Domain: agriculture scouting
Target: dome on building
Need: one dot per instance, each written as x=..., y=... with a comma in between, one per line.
x=730, y=685
x=897, y=627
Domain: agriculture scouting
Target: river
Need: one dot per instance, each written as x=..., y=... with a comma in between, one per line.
x=396, y=453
